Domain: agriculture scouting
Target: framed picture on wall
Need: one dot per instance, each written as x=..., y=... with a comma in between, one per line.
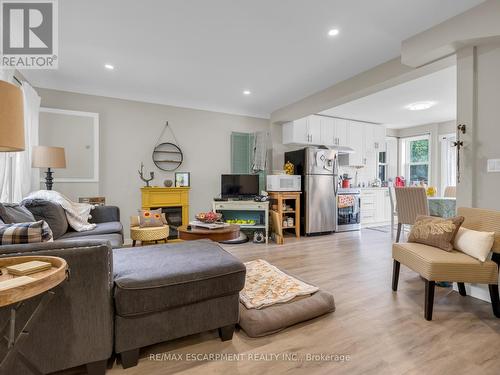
x=182, y=179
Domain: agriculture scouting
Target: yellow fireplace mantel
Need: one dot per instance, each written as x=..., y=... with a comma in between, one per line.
x=156, y=197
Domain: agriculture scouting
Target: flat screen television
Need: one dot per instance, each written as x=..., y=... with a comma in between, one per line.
x=239, y=185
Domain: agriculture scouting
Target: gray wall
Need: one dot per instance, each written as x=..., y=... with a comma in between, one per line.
x=128, y=133
x=487, y=128
x=478, y=87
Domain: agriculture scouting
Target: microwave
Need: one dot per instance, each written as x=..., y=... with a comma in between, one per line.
x=283, y=182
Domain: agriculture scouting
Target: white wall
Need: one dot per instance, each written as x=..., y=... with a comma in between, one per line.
x=128, y=133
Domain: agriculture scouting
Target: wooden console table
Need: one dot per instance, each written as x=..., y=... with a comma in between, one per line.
x=278, y=215
x=239, y=208
x=37, y=284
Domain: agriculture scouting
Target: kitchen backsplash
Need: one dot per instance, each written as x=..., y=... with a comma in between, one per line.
x=366, y=175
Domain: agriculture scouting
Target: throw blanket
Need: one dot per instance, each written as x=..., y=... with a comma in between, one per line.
x=266, y=285
x=78, y=214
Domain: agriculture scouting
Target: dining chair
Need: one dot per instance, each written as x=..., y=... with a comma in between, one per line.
x=450, y=192
x=394, y=213
x=410, y=202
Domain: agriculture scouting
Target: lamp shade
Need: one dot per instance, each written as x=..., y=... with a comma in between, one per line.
x=48, y=157
x=11, y=118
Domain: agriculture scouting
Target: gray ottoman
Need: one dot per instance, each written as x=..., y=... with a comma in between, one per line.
x=168, y=291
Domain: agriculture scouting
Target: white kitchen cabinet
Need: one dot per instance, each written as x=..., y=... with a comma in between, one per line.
x=375, y=207
x=314, y=127
x=379, y=138
x=340, y=131
x=327, y=131
x=333, y=131
x=356, y=140
x=306, y=131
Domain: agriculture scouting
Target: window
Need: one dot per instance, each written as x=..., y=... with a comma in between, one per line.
x=448, y=161
x=382, y=166
x=416, y=159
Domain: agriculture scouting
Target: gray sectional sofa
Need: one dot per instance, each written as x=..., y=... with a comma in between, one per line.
x=118, y=300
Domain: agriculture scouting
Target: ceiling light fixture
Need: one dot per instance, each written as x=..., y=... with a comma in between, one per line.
x=420, y=106
x=247, y=92
x=333, y=32
x=109, y=66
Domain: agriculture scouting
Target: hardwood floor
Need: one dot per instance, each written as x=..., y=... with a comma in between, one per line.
x=382, y=332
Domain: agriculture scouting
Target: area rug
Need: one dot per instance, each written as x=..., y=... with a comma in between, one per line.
x=266, y=285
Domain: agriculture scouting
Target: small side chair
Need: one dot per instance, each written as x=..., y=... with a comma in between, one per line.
x=434, y=264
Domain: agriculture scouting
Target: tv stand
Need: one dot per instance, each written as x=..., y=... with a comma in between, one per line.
x=248, y=209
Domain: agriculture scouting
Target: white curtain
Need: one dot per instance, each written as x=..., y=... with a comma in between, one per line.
x=5, y=157
x=17, y=178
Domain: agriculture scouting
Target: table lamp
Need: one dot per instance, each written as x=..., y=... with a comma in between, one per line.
x=11, y=118
x=48, y=157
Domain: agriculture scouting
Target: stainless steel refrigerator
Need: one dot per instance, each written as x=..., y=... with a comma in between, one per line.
x=319, y=170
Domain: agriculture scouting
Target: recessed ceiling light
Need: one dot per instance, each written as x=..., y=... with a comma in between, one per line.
x=109, y=66
x=333, y=32
x=247, y=92
x=420, y=106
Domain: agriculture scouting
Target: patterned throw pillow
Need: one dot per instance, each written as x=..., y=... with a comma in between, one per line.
x=435, y=231
x=19, y=233
x=150, y=218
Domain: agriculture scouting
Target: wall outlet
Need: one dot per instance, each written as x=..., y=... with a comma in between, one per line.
x=493, y=165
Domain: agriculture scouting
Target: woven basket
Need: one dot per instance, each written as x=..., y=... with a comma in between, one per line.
x=149, y=233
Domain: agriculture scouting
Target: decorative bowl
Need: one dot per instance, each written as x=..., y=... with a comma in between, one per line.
x=209, y=217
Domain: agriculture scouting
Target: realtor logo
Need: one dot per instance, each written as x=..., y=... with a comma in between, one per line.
x=29, y=34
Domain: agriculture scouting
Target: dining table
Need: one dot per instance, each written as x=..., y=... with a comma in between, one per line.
x=444, y=207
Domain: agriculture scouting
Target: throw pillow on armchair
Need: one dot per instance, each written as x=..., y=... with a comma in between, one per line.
x=435, y=231
x=151, y=218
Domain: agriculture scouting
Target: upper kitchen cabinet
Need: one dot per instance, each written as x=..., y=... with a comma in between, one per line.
x=379, y=144
x=304, y=131
x=374, y=138
x=316, y=130
x=356, y=140
x=327, y=131
x=364, y=138
x=340, y=131
x=333, y=131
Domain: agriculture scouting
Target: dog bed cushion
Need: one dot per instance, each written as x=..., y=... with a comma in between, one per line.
x=272, y=319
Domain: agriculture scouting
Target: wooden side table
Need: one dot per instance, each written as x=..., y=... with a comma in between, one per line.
x=278, y=214
x=231, y=232
x=37, y=284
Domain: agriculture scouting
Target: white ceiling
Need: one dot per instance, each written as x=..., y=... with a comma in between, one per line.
x=388, y=106
x=203, y=54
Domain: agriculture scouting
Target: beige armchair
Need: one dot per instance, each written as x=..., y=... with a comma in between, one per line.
x=434, y=264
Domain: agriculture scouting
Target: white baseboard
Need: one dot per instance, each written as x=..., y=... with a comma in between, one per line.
x=478, y=291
